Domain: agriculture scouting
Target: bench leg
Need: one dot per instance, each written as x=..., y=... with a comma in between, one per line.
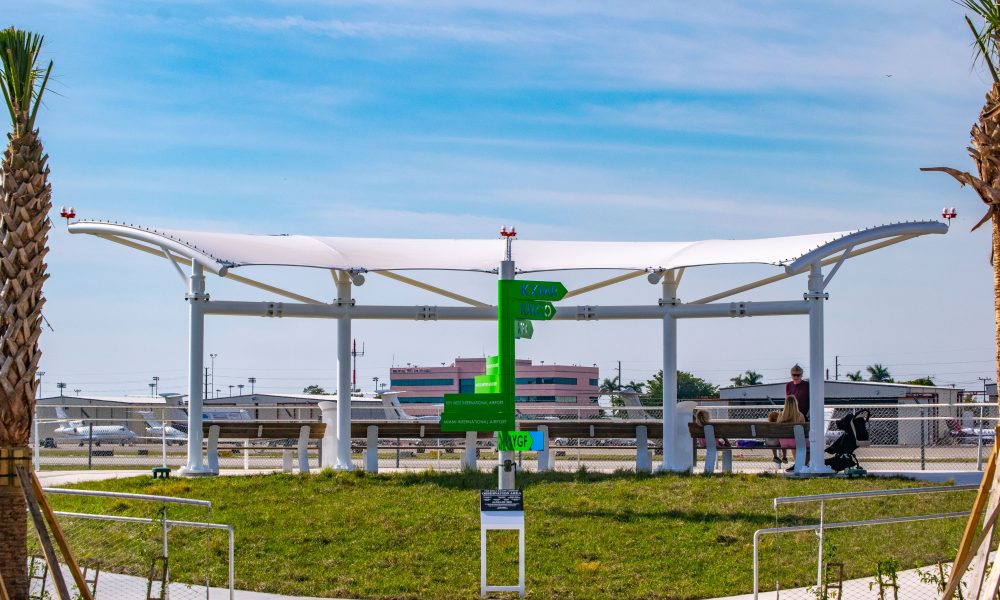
x=304, y=449
x=213, y=449
x=710, y=449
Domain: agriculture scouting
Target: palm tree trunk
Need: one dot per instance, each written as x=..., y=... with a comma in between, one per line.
x=996, y=290
x=25, y=202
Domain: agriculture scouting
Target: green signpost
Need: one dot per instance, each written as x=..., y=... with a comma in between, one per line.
x=491, y=407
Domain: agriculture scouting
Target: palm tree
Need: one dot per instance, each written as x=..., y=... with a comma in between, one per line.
x=985, y=149
x=636, y=385
x=748, y=378
x=610, y=386
x=25, y=201
x=855, y=376
x=985, y=153
x=878, y=372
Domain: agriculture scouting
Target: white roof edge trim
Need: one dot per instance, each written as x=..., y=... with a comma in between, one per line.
x=863, y=237
x=156, y=239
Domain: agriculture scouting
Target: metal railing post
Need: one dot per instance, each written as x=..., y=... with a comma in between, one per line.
x=90, y=447
x=819, y=560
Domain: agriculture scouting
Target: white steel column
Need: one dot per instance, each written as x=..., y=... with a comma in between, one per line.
x=197, y=298
x=344, y=462
x=815, y=297
x=669, y=372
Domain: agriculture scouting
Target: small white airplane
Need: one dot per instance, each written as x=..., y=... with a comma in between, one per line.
x=158, y=431
x=78, y=430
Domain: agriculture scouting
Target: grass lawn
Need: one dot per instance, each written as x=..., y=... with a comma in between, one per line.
x=589, y=535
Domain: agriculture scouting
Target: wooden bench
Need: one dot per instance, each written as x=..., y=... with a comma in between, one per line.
x=263, y=430
x=762, y=430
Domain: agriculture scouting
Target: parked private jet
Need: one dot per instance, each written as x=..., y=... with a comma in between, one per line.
x=78, y=430
x=156, y=430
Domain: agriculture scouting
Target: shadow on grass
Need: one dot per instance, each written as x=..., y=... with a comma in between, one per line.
x=473, y=480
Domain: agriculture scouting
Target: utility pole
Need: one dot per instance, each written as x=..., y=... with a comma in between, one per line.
x=252, y=381
x=206, y=383
x=619, y=375
x=40, y=375
x=212, y=356
x=985, y=380
x=156, y=385
x=836, y=368
x=354, y=368
x=375, y=379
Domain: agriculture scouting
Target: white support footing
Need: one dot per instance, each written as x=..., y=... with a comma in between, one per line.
x=470, y=454
x=371, y=450
x=304, y=449
x=643, y=460
x=545, y=457
x=329, y=445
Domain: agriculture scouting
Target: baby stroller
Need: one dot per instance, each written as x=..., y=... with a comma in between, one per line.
x=855, y=428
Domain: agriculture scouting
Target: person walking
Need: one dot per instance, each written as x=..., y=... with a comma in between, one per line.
x=799, y=388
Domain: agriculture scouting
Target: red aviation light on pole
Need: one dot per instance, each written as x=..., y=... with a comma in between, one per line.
x=67, y=213
x=949, y=214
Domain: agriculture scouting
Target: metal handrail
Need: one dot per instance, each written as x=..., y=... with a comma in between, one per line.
x=840, y=525
x=873, y=494
x=147, y=497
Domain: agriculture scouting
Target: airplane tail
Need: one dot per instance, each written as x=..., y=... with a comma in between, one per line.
x=393, y=409
x=63, y=417
x=147, y=415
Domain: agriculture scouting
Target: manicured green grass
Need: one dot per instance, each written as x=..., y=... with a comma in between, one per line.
x=589, y=535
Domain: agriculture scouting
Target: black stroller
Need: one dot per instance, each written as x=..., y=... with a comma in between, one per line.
x=855, y=435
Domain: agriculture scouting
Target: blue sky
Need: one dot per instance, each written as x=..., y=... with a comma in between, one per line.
x=572, y=120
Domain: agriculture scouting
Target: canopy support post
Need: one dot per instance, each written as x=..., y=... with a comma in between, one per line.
x=817, y=393
x=344, y=462
x=197, y=299
x=669, y=284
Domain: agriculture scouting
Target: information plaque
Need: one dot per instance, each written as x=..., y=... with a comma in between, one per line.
x=501, y=500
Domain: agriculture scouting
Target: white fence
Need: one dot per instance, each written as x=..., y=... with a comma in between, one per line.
x=904, y=437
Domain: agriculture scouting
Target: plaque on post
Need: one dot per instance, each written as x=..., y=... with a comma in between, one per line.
x=501, y=509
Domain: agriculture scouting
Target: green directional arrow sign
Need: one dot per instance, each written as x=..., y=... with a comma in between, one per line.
x=523, y=329
x=551, y=291
x=534, y=310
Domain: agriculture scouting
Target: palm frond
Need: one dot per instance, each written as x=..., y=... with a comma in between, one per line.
x=20, y=75
x=987, y=38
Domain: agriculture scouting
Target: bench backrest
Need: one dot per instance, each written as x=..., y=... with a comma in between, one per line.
x=274, y=430
x=748, y=429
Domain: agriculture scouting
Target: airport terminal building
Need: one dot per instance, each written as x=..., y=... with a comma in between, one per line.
x=540, y=388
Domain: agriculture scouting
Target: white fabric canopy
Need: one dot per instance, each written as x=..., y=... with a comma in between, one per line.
x=220, y=251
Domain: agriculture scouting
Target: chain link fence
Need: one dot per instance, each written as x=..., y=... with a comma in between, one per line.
x=137, y=547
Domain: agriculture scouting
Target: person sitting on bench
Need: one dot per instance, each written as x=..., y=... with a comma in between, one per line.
x=790, y=414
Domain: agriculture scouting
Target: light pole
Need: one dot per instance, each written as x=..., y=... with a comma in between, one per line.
x=152, y=387
x=252, y=381
x=40, y=375
x=212, y=356
x=231, y=391
x=61, y=386
x=77, y=390
x=156, y=385
x=240, y=387
x=375, y=379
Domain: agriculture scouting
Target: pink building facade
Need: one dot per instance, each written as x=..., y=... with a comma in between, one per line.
x=541, y=389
